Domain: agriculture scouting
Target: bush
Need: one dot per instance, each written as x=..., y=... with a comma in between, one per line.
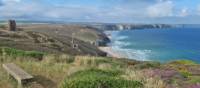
x=95, y=78
x=185, y=74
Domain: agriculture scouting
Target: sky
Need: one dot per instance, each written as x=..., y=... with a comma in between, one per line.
x=108, y=11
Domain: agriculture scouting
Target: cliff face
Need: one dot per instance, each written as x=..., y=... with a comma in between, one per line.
x=129, y=26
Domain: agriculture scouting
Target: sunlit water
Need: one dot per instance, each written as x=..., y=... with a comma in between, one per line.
x=158, y=45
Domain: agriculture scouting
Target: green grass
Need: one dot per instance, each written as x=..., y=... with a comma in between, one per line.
x=185, y=74
x=94, y=78
x=20, y=53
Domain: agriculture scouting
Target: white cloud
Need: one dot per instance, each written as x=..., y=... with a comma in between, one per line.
x=126, y=10
x=10, y=1
x=198, y=9
x=15, y=9
x=161, y=9
x=184, y=12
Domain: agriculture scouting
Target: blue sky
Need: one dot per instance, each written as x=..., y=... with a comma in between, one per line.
x=126, y=11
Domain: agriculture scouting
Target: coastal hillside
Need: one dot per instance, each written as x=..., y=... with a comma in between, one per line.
x=66, y=71
x=99, y=43
x=68, y=56
x=70, y=39
x=77, y=31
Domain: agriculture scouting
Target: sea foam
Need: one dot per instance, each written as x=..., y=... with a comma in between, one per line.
x=118, y=45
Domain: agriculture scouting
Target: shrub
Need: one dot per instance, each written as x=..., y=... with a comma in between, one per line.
x=185, y=74
x=94, y=78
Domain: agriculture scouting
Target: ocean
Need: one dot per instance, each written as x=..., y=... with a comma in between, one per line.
x=161, y=45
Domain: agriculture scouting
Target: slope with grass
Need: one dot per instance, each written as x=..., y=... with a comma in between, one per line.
x=53, y=39
x=66, y=71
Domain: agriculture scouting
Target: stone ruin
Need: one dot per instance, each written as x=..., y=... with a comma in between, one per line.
x=74, y=45
x=12, y=25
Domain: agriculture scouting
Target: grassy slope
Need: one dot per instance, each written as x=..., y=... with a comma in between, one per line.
x=45, y=39
x=80, y=32
x=64, y=71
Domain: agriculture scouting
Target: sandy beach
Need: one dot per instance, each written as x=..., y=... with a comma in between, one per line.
x=110, y=52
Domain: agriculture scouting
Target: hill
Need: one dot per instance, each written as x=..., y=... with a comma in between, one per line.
x=53, y=39
x=46, y=51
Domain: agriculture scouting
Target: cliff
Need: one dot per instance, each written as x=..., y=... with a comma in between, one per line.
x=129, y=26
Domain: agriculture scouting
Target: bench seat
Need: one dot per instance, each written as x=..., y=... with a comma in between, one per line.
x=19, y=74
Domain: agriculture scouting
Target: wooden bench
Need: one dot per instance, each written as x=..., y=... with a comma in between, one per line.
x=19, y=74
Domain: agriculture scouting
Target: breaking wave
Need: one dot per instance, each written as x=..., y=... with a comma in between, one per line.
x=118, y=45
x=141, y=55
x=122, y=37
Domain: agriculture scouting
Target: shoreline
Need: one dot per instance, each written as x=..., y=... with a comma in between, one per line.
x=110, y=52
x=108, y=49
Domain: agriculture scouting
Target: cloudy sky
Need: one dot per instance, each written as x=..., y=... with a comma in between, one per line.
x=129, y=11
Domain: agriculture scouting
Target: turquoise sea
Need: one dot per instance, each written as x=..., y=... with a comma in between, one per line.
x=162, y=45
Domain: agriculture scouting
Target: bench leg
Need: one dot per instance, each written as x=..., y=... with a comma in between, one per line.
x=8, y=76
x=20, y=85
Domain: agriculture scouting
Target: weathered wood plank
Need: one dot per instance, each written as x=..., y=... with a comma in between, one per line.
x=18, y=73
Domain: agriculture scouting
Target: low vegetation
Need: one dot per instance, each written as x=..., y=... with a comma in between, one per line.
x=95, y=78
x=66, y=71
x=20, y=53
